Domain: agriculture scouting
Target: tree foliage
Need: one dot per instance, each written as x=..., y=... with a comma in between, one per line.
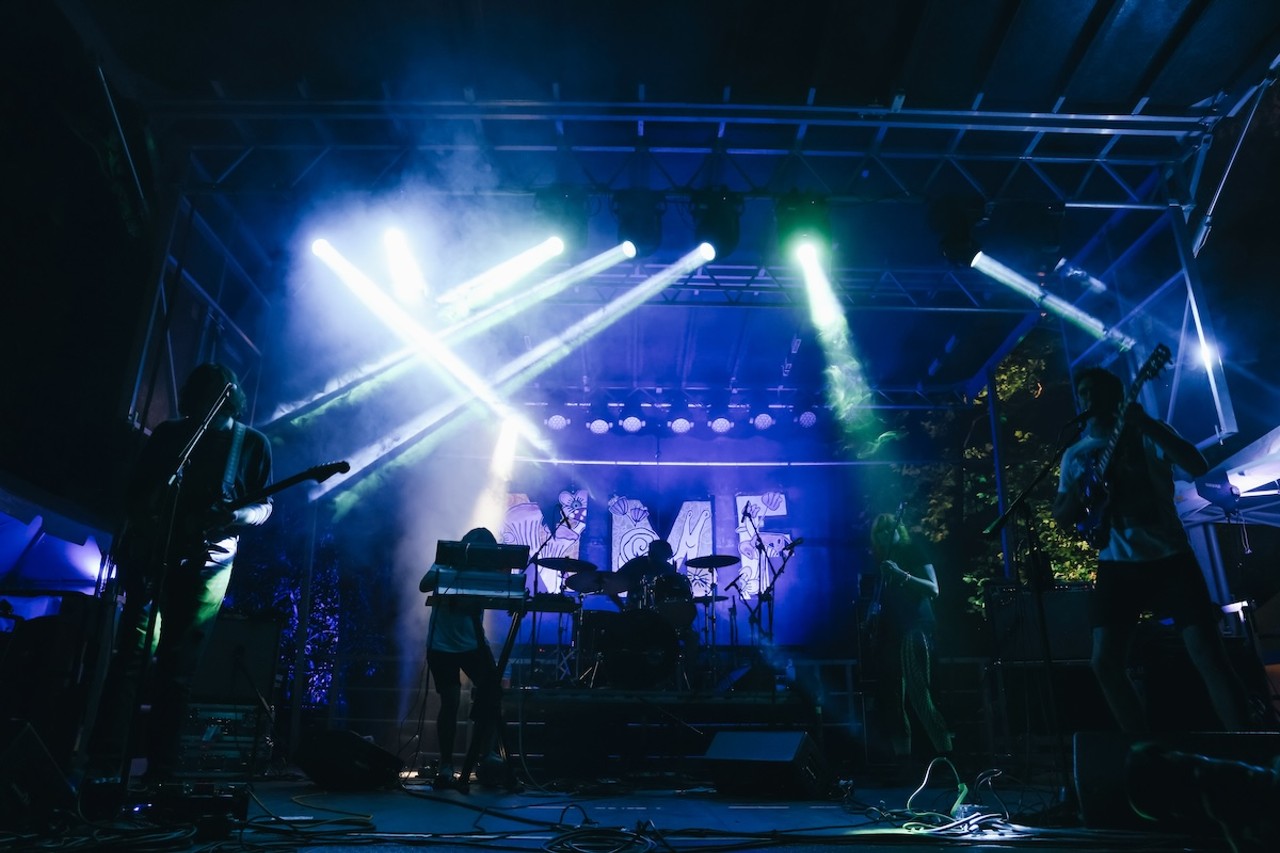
x=960, y=495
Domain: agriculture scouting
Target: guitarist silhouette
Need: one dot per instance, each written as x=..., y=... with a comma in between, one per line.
x=185, y=512
x=1145, y=561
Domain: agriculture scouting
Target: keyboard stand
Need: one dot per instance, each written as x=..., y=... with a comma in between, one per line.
x=480, y=735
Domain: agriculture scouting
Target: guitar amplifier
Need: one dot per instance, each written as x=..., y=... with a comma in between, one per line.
x=1014, y=618
x=224, y=742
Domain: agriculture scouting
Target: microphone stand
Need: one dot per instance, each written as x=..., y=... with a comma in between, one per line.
x=267, y=709
x=535, y=622
x=551, y=534
x=768, y=576
x=1038, y=575
x=753, y=612
x=787, y=553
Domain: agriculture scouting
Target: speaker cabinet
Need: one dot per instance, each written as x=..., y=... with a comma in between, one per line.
x=783, y=765
x=44, y=665
x=32, y=787
x=1013, y=615
x=344, y=761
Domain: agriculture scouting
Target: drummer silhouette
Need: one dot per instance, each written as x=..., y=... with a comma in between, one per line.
x=641, y=572
x=653, y=638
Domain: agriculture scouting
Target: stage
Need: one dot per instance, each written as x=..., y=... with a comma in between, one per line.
x=673, y=811
x=630, y=769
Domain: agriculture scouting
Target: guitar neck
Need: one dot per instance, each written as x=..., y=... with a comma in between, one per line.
x=319, y=474
x=1153, y=365
x=1104, y=458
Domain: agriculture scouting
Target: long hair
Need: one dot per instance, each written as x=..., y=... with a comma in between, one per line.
x=1105, y=383
x=480, y=536
x=884, y=529
x=203, y=387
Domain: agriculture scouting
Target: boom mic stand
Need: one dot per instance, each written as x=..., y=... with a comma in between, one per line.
x=536, y=621
x=1038, y=575
x=769, y=576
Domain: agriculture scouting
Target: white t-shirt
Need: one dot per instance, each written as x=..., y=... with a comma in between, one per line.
x=457, y=622
x=1144, y=522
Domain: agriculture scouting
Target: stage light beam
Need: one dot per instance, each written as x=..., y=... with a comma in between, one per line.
x=846, y=385
x=527, y=367
x=483, y=288
x=491, y=503
x=1048, y=302
x=407, y=281
x=426, y=344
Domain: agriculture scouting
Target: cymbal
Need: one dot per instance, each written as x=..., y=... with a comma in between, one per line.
x=585, y=582
x=593, y=582
x=706, y=599
x=711, y=561
x=566, y=564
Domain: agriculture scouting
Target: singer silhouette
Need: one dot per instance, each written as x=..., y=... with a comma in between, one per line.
x=905, y=654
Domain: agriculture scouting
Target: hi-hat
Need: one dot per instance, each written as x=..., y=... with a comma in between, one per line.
x=566, y=564
x=711, y=561
x=707, y=599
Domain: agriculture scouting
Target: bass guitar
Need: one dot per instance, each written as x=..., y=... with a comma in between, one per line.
x=1095, y=493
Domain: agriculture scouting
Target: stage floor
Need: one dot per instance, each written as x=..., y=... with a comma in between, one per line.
x=651, y=811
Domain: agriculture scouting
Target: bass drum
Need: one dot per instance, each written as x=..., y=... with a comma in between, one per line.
x=638, y=649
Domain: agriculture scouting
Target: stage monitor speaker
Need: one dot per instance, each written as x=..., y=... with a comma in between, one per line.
x=777, y=764
x=32, y=787
x=1174, y=790
x=344, y=761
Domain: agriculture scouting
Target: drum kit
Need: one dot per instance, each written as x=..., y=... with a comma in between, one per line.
x=645, y=642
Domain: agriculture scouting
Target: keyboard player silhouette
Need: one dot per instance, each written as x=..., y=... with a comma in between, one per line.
x=468, y=577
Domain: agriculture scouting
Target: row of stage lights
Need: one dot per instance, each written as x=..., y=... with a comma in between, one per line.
x=680, y=419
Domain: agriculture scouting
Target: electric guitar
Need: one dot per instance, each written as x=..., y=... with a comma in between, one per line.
x=1095, y=492
x=141, y=544
x=318, y=473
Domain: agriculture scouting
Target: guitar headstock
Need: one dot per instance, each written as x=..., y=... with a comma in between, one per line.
x=320, y=473
x=1155, y=363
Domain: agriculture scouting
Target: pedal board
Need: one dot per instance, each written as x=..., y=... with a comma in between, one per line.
x=209, y=806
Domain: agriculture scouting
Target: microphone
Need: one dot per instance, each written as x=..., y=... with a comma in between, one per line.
x=793, y=544
x=746, y=513
x=564, y=519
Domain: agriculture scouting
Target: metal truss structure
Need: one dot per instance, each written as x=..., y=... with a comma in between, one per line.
x=1129, y=184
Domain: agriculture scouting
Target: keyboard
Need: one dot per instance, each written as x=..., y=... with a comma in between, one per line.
x=483, y=583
